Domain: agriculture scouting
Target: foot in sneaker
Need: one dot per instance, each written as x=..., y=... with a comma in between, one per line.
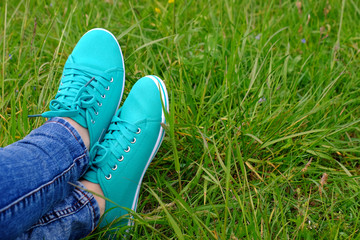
x=92, y=84
x=133, y=138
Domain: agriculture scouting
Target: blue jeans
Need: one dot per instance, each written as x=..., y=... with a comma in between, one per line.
x=37, y=201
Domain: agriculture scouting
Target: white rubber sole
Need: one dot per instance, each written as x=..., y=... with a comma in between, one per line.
x=165, y=100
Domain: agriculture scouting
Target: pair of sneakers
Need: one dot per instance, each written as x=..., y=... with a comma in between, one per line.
x=122, y=142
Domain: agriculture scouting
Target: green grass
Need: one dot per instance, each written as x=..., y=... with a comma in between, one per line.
x=264, y=96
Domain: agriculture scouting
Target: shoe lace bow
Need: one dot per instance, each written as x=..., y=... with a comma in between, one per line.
x=117, y=140
x=81, y=88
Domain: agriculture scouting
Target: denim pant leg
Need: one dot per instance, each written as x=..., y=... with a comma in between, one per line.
x=73, y=218
x=34, y=174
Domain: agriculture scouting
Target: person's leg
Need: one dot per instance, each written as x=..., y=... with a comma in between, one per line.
x=83, y=132
x=73, y=218
x=95, y=187
x=117, y=173
x=35, y=174
x=35, y=171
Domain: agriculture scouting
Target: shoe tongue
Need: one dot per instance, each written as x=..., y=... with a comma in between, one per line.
x=68, y=99
x=106, y=143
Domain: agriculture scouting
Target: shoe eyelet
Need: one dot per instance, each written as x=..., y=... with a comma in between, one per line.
x=133, y=141
x=108, y=177
x=103, y=96
x=114, y=168
x=96, y=113
x=108, y=88
x=59, y=91
x=121, y=159
x=138, y=131
x=127, y=150
x=61, y=84
x=99, y=104
x=92, y=121
x=112, y=79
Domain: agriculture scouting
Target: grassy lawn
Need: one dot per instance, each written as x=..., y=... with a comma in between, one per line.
x=263, y=137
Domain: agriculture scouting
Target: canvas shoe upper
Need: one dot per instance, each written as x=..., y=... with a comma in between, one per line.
x=92, y=83
x=132, y=140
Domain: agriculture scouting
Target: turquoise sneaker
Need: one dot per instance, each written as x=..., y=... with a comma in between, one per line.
x=92, y=84
x=133, y=138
